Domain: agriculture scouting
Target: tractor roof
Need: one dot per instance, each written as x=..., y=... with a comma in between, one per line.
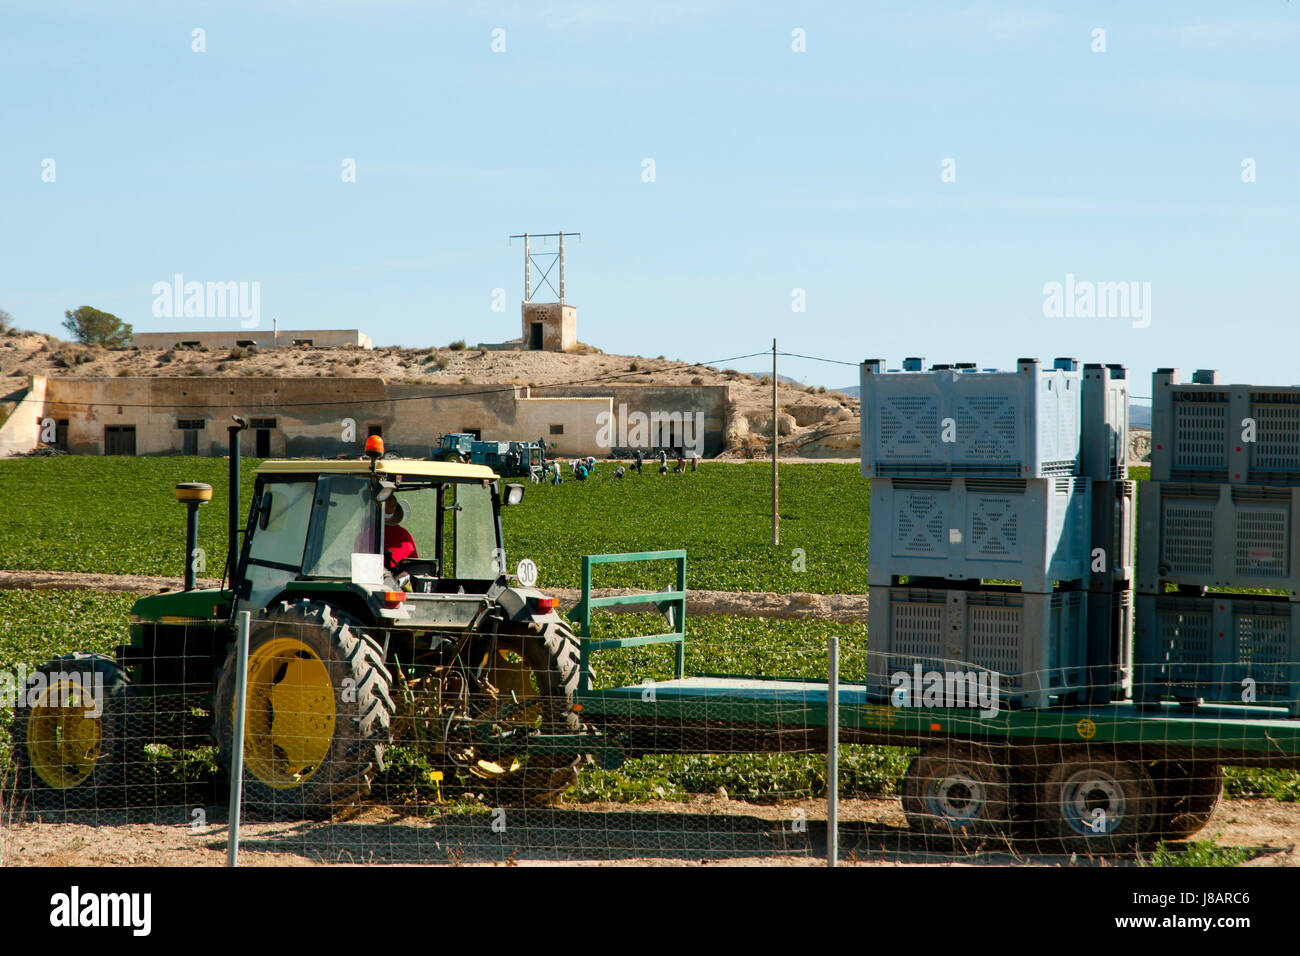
x=385, y=466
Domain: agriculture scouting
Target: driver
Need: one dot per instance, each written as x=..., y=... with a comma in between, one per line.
x=398, y=543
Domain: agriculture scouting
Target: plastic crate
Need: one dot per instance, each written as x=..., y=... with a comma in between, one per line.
x=1192, y=648
x=954, y=421
x=1199, y=431
x=1104, y=423
x=1035, y=530
x=1035, y=643
x=1114, y=513
x=1110, y=646
x=1219, y=535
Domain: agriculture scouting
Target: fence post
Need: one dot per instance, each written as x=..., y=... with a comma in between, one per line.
x=833, y=752
x=237, y=756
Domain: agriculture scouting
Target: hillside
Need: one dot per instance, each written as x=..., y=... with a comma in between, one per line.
x=813, y=422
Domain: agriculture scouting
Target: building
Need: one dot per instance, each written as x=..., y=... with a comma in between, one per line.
x=262, y=338
x=313, y=417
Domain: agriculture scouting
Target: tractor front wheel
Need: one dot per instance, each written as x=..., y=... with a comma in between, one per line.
x=528, y=682
x=318, y=712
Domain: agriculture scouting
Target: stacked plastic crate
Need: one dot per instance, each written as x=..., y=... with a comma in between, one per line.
x=1104, y=460
x=975, y=478
x=1218, y=524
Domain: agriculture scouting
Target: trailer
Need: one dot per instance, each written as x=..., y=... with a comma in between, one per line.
x=1092, y=778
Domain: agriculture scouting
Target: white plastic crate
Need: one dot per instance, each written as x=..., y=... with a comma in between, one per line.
x=1231, y=649
x=962, y=421
x=1035, y=643
x=1114, y=514
x=1219, y=535
x=1104, y=423
x=1110, y=645
x=1202, y=431
x=1035, y=531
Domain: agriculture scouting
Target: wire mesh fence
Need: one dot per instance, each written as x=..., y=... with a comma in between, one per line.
x=379, y=745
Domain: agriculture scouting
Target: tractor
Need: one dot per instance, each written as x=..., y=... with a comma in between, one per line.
x=380, y=611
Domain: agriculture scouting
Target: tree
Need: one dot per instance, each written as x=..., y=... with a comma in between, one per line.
x=6, y=321
x=91, y=327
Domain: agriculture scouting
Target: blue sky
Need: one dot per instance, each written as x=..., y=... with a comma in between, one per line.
x=774, y=171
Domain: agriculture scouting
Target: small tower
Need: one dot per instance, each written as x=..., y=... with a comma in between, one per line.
x=548, y=326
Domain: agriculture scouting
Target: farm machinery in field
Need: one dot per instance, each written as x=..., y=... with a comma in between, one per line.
x=358, y=632
x=512, y=459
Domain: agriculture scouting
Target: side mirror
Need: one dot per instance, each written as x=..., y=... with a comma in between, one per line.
x=264, y=511
x=385, y=490
x=514, y=494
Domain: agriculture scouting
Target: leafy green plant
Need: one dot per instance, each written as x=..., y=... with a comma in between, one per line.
x=1198, y=853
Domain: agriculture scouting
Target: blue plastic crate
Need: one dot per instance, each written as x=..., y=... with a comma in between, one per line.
x=1201, y=431
x=1217, y=647
x=1036, y=531
x=1219, y=535
x=963, y=421
x=1035, y=643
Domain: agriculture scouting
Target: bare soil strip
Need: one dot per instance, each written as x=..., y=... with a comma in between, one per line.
x=828, y=607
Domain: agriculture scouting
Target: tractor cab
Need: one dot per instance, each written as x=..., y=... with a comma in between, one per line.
x=412, y=541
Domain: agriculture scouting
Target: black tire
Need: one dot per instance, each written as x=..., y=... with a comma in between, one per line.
x=1186, y=796
x=957, y=791
x=67, y=759
x=551, y=661
x=1096, y=804
x=339, y=749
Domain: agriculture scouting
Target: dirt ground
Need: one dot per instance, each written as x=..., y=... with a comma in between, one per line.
x=707, y=830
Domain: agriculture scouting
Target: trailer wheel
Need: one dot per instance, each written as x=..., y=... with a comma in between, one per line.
x=1096, y=804
x=1187, y=794
x=957, y=790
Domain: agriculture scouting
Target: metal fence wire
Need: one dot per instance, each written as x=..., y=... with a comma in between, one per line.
x=354, y=754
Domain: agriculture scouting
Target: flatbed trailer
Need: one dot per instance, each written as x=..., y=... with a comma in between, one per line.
x=1099, y=778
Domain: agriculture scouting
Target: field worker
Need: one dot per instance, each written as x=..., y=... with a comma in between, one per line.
x=681, y=465
x=695, y=462
x=618, y=472
x=663, y=462
x=555, y=473
x=398, y=543
x=637, y=458
x=580, y=471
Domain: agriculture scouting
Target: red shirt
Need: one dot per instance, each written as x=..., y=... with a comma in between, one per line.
x=398, y=545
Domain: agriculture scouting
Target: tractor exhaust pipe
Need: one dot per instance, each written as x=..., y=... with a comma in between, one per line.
x=192, y=494
x=232, y=519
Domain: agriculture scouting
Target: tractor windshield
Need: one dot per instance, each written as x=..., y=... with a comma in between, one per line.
x=448, y=530
x=343, y=523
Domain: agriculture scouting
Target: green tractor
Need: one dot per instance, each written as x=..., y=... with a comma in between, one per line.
x=380, y=611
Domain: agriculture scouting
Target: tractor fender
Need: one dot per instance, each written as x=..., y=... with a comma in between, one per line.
x=520, y=604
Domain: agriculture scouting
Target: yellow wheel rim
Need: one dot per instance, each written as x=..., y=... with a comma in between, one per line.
x=289, y=721
x=63, y=742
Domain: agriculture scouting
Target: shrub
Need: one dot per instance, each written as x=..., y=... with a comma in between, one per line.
x=457, y=346
x=633, y=367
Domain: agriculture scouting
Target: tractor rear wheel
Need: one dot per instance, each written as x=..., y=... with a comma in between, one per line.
x=528, y=684
x=68, y=734
x=318, y=713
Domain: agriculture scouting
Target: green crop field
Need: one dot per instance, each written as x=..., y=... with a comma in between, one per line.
x=118, y=516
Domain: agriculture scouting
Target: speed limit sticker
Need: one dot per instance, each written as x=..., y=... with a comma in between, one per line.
x=526, y=572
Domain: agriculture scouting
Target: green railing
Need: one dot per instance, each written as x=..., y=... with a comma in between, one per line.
x=673, y=601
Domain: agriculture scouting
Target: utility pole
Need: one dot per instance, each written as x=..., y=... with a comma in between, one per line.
x=776, y=519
